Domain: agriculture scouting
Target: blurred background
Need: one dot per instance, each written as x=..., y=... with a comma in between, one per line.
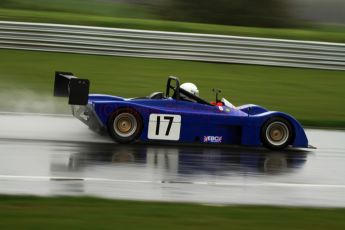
x=314, y=15
x=27, y=75
x=262, y=13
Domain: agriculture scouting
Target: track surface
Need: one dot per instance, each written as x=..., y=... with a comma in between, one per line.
x=58, y=155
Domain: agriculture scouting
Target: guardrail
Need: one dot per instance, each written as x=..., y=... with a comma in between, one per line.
x=171, y=45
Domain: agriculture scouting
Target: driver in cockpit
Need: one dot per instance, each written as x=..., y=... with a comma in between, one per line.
x=190, y=88
x=193, y=89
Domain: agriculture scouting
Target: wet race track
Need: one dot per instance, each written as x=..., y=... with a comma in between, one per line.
x=58, y=155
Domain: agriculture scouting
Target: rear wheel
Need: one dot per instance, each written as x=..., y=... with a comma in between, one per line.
x=276, y=133
x=125, y=125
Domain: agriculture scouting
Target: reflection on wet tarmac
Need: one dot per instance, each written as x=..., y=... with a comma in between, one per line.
x=172, y=173
x=190, y=160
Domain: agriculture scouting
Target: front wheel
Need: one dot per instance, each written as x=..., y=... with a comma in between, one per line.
x=276, y=133
x=125, y=125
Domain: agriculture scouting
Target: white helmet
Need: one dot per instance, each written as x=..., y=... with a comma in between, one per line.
x=191, y=88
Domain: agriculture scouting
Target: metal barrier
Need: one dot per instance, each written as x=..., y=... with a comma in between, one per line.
x=171, y=45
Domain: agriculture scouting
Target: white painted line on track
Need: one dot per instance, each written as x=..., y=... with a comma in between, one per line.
x=90, y=179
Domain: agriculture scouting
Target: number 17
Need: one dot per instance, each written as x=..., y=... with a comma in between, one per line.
x=171, y=119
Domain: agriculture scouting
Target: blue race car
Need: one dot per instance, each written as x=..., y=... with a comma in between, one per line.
x=178, y=116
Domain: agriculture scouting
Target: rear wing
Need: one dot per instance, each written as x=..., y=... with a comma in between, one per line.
x=68, y=85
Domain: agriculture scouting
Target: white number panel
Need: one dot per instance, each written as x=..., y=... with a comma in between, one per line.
x=164, y=127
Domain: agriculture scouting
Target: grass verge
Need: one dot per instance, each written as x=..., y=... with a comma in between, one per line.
x=321, y=33
x=92, y=213
x=315, y=97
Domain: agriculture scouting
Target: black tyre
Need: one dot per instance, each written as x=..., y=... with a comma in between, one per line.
x=276, y=133
x=125, y=125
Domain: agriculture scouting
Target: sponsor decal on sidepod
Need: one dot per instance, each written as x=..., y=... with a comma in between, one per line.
x=213, y=139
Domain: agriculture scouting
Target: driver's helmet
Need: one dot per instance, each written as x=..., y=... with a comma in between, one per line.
x=191, y=88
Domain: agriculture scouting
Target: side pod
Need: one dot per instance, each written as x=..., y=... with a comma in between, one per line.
x=68, y=85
